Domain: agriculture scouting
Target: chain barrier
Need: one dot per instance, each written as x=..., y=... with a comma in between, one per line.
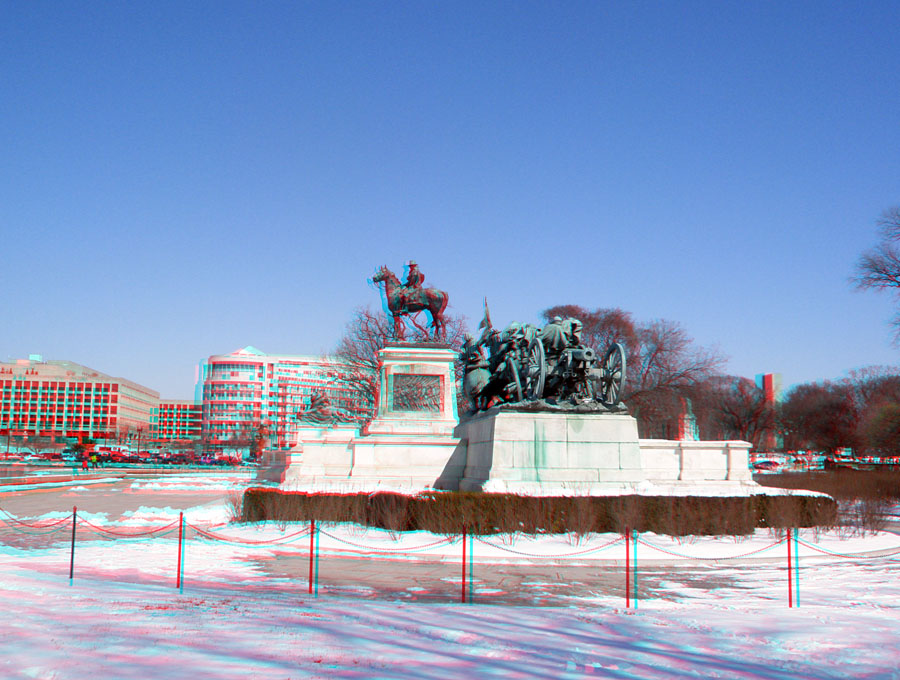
x=37, y=525
x=448, y=541
x=559, y=556
x=851, y=556
x=45, y=527
x=37, y=530
x=710, y=559
x=280, y=540
x=103, y=531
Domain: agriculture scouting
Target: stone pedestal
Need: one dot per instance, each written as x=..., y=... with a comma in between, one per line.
x=546, y=452
x=685, y=462
x=416, y=391
x=410, y=442
x=321, y=452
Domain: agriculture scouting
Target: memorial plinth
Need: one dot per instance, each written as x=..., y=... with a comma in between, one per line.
x=534, y=452
x=416, y=443
x=410, y=440
x=416, y=391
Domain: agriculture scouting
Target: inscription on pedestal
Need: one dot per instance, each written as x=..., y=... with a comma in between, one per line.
x=419, y=393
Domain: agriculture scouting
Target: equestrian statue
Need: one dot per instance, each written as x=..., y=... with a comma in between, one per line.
x=407, y=300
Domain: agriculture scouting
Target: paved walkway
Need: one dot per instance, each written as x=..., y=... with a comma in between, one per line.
x=113, y=498
x=533, y=584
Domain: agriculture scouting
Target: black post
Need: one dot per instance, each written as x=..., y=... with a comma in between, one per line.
x=72, y=558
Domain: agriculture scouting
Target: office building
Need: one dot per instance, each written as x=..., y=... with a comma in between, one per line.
x=176, y=420
x=248, y=389
x=65, y=400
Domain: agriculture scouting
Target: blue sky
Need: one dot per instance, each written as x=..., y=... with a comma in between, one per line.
x=183, y=179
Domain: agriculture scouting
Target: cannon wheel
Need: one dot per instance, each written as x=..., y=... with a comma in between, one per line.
x=536, y=370
x=613, y=375
x=516, y=382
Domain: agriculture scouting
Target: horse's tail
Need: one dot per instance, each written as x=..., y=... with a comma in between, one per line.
x=444, y=300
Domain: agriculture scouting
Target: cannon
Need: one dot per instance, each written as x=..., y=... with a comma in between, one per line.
x=573, y=372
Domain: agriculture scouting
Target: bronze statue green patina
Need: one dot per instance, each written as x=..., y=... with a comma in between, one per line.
x=410, y=299
x=541, y=367
x=321, y=412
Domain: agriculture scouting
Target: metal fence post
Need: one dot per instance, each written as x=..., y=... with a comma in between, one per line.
x=463, y=595
x=634, y=579
x=316, y=579
x=797, y=567
x=471, y=568
x=72, y=554
x=790, y=575
x=627, y=568
x=179, y=578
x=312, y=549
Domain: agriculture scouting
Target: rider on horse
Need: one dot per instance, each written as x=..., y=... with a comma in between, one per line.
x=413, y=285
x=415, y=278
x=406, y=299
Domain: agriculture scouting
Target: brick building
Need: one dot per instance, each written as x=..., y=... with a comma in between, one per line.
x=176, y=420
x=68, y=401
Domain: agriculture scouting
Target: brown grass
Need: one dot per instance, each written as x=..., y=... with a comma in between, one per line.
x=487, y=513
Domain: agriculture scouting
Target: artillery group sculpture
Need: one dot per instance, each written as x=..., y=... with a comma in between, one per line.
x=528, y=365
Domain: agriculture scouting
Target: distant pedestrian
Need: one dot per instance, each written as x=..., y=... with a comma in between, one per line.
x=84, y=462
x=93, y=460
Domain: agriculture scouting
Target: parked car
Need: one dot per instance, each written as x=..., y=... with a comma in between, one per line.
x=44, y=456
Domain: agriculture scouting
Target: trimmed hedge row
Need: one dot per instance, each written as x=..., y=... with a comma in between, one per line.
x=489, y=513
x=851, y=485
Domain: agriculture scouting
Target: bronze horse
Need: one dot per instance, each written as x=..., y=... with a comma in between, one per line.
x=405, y=301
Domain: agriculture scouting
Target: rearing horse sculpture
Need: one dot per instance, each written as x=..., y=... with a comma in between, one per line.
x=404, y=301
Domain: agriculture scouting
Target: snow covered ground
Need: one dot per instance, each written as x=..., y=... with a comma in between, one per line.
x=708, y=607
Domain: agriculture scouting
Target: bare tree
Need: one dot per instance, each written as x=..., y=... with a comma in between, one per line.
x=358, y=350
x=600, y=327
x=875, y=393
x=732, y=407
x=367, y=333
x=880, y=428
x=879, y=267
x=668, y=359
x=873, y=385
x=858, y=412
x=819, y=417
x=240, y=440
x=38, y=444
